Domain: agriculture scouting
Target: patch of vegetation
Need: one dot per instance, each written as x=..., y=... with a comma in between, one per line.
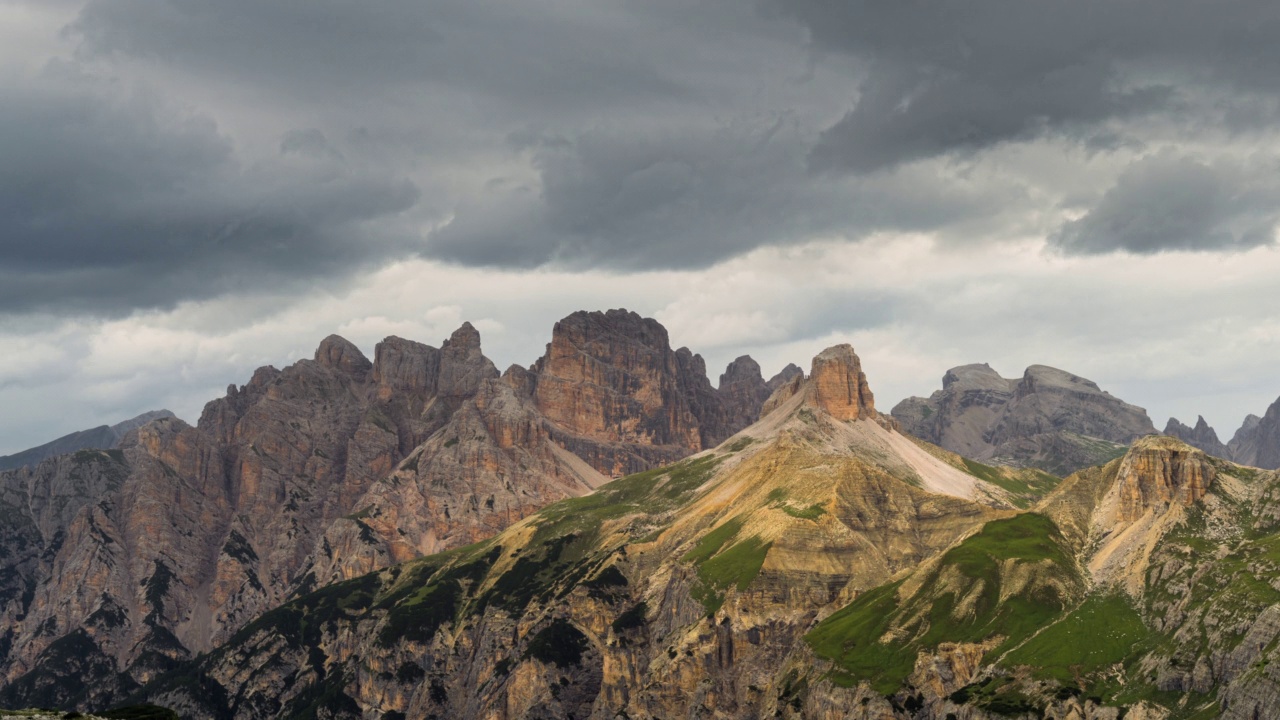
x=631, y=619
x=605, y=582
x=813, y=512
x=740, y=444
x=1103, y=631
x=450, y=442
x=364, y=512
x=139, y=712
x=1025, y=486
x=560, y=644
x=418, y=615
x=238, y=547
x=998, y=695
x=711, y=543
x=157, y=587
x=877, y=636
x=737, y=566
x=327, y=694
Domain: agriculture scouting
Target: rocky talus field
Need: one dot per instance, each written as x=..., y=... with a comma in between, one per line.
x=607, y=535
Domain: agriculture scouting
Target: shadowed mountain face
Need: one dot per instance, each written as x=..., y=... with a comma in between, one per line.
x=120, y=563
x=1257, y=442
x=1048, y=419
x=818, y=564
x=1201, y=436
x=103, y=437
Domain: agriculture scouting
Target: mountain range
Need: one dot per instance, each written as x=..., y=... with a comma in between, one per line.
x=606, y=534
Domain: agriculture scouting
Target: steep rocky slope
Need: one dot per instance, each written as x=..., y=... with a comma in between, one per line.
x=103, y=437
x=1202, y=436
x=1257, y=442
x=118, y=564
x=677, y=592
x=809, y=567
x=1047, y=419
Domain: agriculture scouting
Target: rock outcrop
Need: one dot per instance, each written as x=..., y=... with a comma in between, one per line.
x=1202, y=436
x=103, y=437
x=1156, y=474
x=838, y=385
x=1049, y=419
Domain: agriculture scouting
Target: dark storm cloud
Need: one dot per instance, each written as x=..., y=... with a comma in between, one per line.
x=1172, y=202
x=602, y=133
x=690, y=200
x=962, y=77
x=113, y=202
x=566, y=56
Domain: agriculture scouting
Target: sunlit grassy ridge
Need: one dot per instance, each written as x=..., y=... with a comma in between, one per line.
x=877, y=637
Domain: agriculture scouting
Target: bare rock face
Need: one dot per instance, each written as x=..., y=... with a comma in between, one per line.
x=1257, y=443
x=1159, y=473
x=1202, y=436
x=744, y=391
x=611, y=379
x=838, y=385
x=168, y=546
x=617, y=395
x=1244, y=444
x=1049, y=418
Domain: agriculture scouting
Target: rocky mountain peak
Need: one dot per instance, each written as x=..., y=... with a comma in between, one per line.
x=784, y=376
x=338, y=353
x=1038, y=378
x=975, y=376
x=463, y=365
x=743, y=370
x=838, y=385
x=1202, y=436
x=1158, y=472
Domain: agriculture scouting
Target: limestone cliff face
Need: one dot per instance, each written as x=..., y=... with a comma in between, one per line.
x=838, y=385
x=1049, y=419
x=617, y=395
x=1158, y=474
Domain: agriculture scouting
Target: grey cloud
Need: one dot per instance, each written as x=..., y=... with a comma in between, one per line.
x=957, y=78
x=554, y=55
x=112, y=203
x=1167, y=202
x=692, y=199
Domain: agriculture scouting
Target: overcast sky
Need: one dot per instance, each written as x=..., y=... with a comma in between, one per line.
x=192, y=188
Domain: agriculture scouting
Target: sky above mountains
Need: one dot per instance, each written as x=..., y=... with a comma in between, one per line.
x=190, y=189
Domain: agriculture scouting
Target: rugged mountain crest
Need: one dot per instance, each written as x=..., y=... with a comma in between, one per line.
x=1049, y=419
x=678, y=591
x=1202, y=436
x=103, y=437
x=330, y=468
